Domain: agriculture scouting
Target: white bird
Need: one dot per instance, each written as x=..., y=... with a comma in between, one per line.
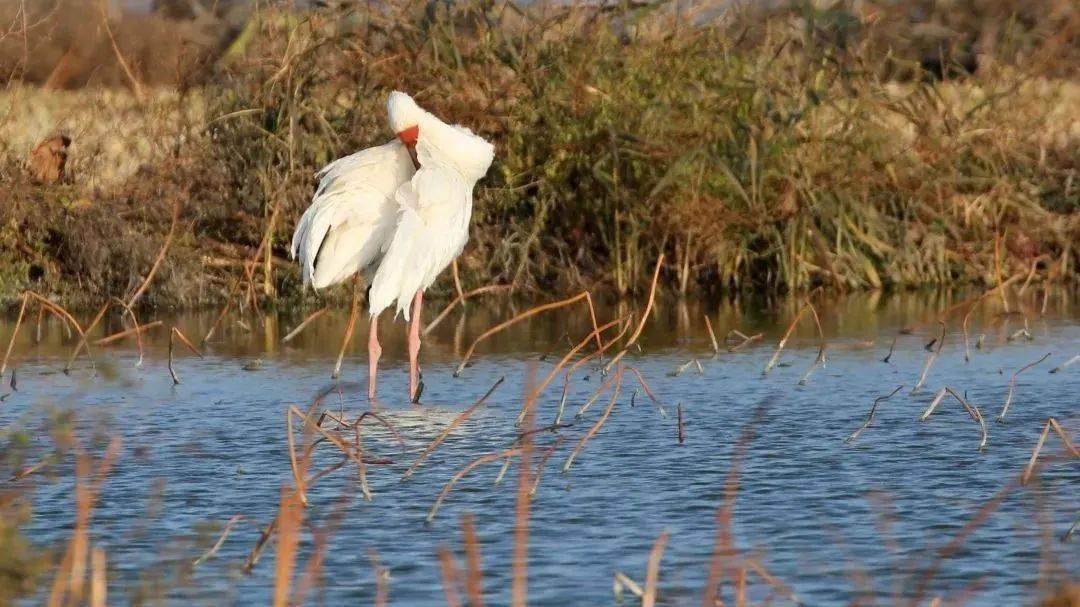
x=351, y=220
x=433, y=224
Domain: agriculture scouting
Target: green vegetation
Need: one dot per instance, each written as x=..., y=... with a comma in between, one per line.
x=784, y=151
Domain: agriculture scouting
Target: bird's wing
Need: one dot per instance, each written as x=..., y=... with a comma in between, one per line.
x=352, y=216
x=431, y=231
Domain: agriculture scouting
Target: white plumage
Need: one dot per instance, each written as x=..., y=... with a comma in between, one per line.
x=435, y=205
x=353, y=214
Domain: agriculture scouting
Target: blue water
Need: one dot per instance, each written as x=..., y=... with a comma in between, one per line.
x=832, y=521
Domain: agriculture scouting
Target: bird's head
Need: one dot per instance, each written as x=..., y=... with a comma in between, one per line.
x=405, y=118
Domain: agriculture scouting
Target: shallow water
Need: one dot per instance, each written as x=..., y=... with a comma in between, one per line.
x=833, y=521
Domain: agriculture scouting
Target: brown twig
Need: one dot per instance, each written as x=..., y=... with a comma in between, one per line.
x=1012, y=387
x=930, y=360
x=644, y=316
x=483, y=459
x=712, y=337
x=15, y=332
x=209, y=554
x=1050, y=423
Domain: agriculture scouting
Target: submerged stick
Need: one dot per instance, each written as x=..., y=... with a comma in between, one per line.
x=680, y=433
x=599, y=423
x=787, y=334
x=648, y=391
x=870, y=416
x=819, y=361
x=172, y=372
x=1012, y=387
x=135, y=323
x=930, y=360
x=461, y=417
x=971, y=410
x=307, y=321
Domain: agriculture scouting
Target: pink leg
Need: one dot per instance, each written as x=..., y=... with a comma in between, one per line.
x=414, y=348
x=374, y=351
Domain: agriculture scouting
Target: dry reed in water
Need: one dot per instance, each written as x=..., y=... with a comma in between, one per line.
x=519, y=578
x=483, y=459
x=474, y=588
x=460, y=300
x=136, y=330
x=15, y=332
x=648, y=391
x=209, y=554
x=819, y=361
x=746, y=339
x=599, y=423
x=450, y=576
x=600, y=390
x=680, y=433
x=892, y=347
x=930, y=360
x=1012, y=387
x=712, y=337
x=1050, y=423
x=290, y=517
x=354, y=311
x=870, y=416
x=461, y=417
x=526, y=314
x=644, y=316
x=652, y=573
x=971, y=410
x=303, y=324
x=787, y=334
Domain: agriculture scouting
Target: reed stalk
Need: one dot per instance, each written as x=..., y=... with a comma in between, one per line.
x=1012, y=387
x=461, y=417
x=930, y=360
x=303, y=325
x=870, y=416
x=652, y=573
x=599, y=423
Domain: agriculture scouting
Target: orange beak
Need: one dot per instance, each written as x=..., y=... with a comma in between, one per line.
x=408, y=137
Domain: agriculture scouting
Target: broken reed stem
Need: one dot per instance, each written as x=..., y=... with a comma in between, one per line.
x=543, y=461
x=787, y=334
x=209, y=554
x=649, y=305
x=519, y=563
x=354, y=311
x=1050, y=423
x=1066, y=364
x=135, y=323
x=183, y=338
x=483, y=459
x=599, y=423
x=474, y=588
x=340, y=444
x=15, y=332
x=971, y=410
x=160, y=256
x=595, y=395
x=460, y=300
x=450, y=576
x=307, y=321
x=746, y=339
x=136, y=330
x=680, y=433
x=819, y=361
x=712, y=337
x=298, y=477
x=526, y=314
x=870, y=416
x=652, y=573
x=461, y=417
x=892, y=347
x=930, y=360
x=82, y=341
x=172, y=372
x=565, y=359
x=648, y=391
x=382, y=578
x=1012, y=387
x=64, y=314
x=290, y=517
